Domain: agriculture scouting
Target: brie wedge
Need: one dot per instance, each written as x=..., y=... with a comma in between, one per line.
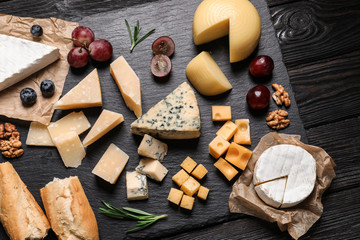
x=284, y=175
x=20, y=58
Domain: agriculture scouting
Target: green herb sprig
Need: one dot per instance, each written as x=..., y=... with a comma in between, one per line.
x=134, y=40
x=143, y=219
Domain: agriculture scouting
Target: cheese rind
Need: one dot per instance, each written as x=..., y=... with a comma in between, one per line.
x=111, y=164
x=152, y=168
x=177, y=116
x=128, y=83
x=39, y=135
x=272, y=193
x=152, y=148
x=136, y=186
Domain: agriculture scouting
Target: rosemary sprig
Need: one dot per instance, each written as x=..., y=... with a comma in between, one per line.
x=134, y=40
x=144, y=219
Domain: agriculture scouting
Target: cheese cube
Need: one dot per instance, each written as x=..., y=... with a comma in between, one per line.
x=180, y=177
x=38, y=135
x=188, y=164
x=226, y=168
x=200, y=171
x=111, y=164
x=221, y=113
x=203, y=192
x=242, y=134
x=175, y=196
x=105, y=122
x=190, y=186
x=70, y=148
x=152, y=168
x=218, y=147
x=187, y=202
x=227, y=130
x=136, y=186
x=152, y=148
x=238, y=155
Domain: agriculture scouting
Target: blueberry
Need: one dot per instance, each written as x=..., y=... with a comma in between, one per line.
x=36, y=30
x=47, y=88
x=28, y=96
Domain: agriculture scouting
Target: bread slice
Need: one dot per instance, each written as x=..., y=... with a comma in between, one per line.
x=20, y=214
x=68, y=210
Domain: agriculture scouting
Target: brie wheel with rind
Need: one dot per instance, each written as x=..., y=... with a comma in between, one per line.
x=289, y=162
x=239, y=19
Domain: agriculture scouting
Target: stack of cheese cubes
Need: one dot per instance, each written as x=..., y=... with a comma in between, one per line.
x=236, y=155
x=188, y=185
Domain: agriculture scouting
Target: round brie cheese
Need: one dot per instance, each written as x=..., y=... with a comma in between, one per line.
x=284, y=175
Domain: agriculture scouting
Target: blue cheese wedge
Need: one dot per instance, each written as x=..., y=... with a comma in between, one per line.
x=136, y=186
x=152, y=168
x=152, y=148
x=177, y=116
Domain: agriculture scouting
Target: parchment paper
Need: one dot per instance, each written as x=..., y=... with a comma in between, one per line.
x=54, y=32
x=298, y=219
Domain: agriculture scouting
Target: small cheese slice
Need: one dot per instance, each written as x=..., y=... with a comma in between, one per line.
x=111, y=164
x=206, y=76
x=105, y=122
x=128, y=83
x=221, y=113
x=38, y=135
x=136, y=186
x=227, y=130
x=226, y=169
x=70, y=148
x=152, y=148
x=272, y=193
x=87, y=93
x=177, y=116
x=242, y=134
x=152, y=168
x=238, y=155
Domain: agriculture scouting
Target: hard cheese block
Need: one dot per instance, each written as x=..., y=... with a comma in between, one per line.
x=221, y=113
x=128, y=83
x=175, y=195
x=226, y=169
x=20, y=58
x=291, y=162
x=152, y=168
x=227, y=130
x=136, y=186
x=152, y=148
x=239, y=19
x=242, y=135
x=175, y=117
x=86, y=93
x=238, y=155
x=111, y=164
x=39, y=135
x=106, y=121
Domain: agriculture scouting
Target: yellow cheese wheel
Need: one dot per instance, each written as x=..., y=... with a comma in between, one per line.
x=239, y=19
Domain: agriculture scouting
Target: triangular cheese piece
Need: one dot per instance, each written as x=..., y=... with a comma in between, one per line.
x=106, y=121
x=86, y=93
x=177, y=116
x=272, y=192
x=20, y=58
x=128, y=83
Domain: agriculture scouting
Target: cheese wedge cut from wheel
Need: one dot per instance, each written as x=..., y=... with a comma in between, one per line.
x=177, y=116
x=106, y=121
x=289, y=162
x=20, y=58
x=239, y=19
x=85, y=94
x=206, y=76
x=128, y=83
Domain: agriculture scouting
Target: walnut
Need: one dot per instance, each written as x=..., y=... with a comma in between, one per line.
x=13, y=153
x=10, y=143
x=277, y=119
x=280, y=96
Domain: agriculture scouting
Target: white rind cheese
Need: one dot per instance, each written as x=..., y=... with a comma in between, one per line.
x=177, y=116
x=152, y=148
x=136, y=186
x=152, y=168
x=272, y=193
x=20, y=58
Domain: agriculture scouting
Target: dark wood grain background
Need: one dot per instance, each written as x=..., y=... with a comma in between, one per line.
x=319, y=40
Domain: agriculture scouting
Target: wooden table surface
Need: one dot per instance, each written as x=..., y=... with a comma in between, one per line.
x=320, y=43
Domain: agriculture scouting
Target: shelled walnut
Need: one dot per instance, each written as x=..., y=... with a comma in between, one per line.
x=280, y=96
x=10, y=143
x=277, y=119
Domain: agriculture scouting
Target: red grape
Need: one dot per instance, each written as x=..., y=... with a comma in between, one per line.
x=261, y=66
x=83, y=34
x=78, y=57
x=258, y=97
x=100, y=50
x=163, y=45
x=160, y=65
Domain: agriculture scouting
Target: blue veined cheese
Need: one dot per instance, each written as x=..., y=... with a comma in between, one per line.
x=136, y=186
x=152, y=168
x=152, y=148
x=177, y=116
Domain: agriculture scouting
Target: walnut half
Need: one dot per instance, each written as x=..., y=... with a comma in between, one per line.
x=277, y=119
x=10, y=143
x=280, y=96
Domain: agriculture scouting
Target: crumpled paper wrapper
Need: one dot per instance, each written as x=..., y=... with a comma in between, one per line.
x=54, y=32
x=298, y=219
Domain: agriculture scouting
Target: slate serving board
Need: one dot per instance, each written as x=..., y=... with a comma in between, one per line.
x=39, y=165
